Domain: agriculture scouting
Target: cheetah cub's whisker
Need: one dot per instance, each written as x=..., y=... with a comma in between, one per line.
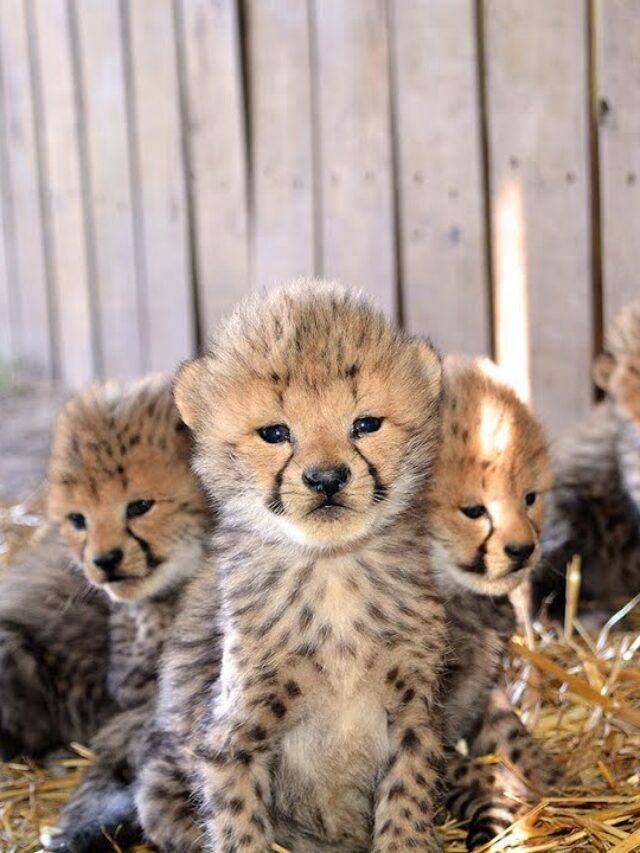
x=316, y=427
x=487, y=509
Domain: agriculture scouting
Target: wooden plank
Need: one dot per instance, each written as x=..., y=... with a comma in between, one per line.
x=537, y=75
x=159, y=166
x=63, y=191
x=210, y=55
x=109, y=168
x=6, y=325
x=281, y=140
x=357, y=221
x=33, y=341
x=442, y=245
x=618, y=61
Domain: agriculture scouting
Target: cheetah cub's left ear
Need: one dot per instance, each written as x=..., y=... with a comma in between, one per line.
x=430, y=364
x=192, y=389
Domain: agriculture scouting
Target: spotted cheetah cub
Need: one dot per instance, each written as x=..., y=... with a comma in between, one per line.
x=316, y=425
x=132, y=519
x=487, y=508
x=595, y=503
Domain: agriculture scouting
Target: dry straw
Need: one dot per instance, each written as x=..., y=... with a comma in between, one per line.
x=578, y=692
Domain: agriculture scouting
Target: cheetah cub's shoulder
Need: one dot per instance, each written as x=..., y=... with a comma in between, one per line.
x=487, y=504
x=316, y=426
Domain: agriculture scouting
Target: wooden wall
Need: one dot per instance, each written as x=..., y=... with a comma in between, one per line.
x=473, y=164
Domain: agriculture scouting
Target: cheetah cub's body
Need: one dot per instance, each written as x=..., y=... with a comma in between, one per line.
x=133, y=519
x=487, y=510
x=595, y=503
x=316, y=425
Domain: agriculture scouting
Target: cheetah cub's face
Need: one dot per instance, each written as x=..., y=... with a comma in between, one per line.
x=489, y=487
x=617, y=370
x=314, y=420
x=122, y=491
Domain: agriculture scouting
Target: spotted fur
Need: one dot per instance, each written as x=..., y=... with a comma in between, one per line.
x=493, y=467
x=90, y=633
x=322, y=731
x=595, y=504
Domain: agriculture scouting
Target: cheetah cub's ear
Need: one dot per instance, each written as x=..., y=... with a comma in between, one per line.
x=603, y=367
x=431, y=363
x=192, y=387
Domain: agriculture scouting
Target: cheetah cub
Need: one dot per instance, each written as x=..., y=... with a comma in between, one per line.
x=132, y=519
x=595, y=502
x=487, y=507
x=316, y=424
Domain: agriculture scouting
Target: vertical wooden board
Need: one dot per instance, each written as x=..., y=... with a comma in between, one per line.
x=63, y=192
x=168, y=296
x=6, y=330
x=537, y=91
x=109, y=199
x=357, y=220
x=211, y=74
x=618, y=73
x=281, y=140
x=33, y=341
x=445, y=290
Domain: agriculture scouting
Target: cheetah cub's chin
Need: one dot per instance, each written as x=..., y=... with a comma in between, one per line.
x=122, y=492
x=323, y=449
x=490, y=483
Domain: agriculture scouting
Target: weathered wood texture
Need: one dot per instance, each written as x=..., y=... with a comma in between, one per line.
x=618, y=64
x=160, y=158
x=537, y=91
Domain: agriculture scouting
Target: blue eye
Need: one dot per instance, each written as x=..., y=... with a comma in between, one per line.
x=275, y=433
x=77, y=520
x=136, y=508
x=475, y=511
x=362, y=426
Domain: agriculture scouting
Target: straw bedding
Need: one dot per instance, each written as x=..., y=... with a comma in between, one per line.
x=578, y=692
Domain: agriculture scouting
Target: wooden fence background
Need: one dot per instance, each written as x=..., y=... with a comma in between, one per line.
x=474, y=164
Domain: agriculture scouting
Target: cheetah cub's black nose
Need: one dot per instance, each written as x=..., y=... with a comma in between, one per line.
x=109, y=561
x=327, y=481
x=519, y=552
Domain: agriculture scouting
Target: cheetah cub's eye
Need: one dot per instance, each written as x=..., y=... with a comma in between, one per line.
x=475, y=511
x=275, y=433
x=362, y=426
x=136, y=508
x=530, y=498
x=77, y=520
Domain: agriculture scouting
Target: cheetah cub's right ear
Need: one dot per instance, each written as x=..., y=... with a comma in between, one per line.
x=194, y=383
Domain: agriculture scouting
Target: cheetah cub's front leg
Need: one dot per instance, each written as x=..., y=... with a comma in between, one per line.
x=406, y=795
x=234, y=769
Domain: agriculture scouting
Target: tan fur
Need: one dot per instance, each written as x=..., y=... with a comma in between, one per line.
x=111, y=449
x=493, y=454
x=113, y=446
x=322, y=731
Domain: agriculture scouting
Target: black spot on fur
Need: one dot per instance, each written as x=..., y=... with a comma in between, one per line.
x=409, y=740
x=292, y=688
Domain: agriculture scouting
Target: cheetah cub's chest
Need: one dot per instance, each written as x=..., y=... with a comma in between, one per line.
x=345, y=724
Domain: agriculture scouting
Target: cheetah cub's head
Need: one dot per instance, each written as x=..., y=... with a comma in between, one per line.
x=617, y=369
x=122, y=491
x=315, y=420
x=488, y=490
